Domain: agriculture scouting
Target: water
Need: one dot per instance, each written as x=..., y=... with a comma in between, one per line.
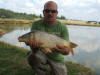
x=14, y=31
x=88, y=51
x=87, y=38
x=12, y=37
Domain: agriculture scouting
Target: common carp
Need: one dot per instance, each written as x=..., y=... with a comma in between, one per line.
x=48, y=40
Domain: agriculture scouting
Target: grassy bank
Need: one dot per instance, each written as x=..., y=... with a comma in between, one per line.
x=79, y=23
x=15, y=21
x=69, y=22
x=13, y=62
x=2, y=32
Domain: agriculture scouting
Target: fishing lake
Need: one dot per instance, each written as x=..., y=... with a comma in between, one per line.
x=88, y=39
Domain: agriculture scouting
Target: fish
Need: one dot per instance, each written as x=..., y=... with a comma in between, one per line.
x=48, y=40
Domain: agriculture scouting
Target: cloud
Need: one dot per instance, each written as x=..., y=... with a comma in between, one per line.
x=1, y=1
x=71, y=9
x=92, y=11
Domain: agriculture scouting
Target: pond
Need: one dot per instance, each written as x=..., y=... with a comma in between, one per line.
x=87, y=38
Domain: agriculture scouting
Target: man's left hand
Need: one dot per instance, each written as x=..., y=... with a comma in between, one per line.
x=62, y=49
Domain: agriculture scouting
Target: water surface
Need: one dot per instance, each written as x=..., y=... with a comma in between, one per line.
x=88, y=51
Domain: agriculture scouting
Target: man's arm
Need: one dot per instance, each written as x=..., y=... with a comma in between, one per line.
x=65, y=36
x=33, y=43
x=62, y=49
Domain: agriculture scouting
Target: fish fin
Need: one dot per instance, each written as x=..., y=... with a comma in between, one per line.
x=73, y=45
x=72, y=52
x=46, y=50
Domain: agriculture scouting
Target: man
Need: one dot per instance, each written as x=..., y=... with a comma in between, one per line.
x=37, y=58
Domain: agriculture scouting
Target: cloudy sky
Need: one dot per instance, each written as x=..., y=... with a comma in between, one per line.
x=71, y=9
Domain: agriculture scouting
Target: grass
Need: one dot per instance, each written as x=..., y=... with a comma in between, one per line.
x=79, y=23
x=13, y=62
x=2, y=32
x=68, y=22
x=15, y=21
x=77, y=69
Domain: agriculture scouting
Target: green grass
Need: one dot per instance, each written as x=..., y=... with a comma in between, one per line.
x=2, y=32
x=7, y=21
x=15, y=21
x=77, y=69
x=13, y=62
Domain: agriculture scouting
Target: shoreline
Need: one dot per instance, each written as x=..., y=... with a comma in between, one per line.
x=68, y=22
x=79, y=23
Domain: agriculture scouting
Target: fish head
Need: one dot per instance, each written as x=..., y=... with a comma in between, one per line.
x=26, y=37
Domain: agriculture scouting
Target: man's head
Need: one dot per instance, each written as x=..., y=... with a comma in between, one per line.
x=50, y=11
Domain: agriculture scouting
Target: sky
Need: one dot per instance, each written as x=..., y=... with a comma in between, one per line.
x=87, y=10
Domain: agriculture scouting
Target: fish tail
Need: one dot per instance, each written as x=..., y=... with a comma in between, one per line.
x=72, y=52
x=73, y=45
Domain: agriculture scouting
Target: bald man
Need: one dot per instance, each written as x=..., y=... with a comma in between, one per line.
x=38, y=59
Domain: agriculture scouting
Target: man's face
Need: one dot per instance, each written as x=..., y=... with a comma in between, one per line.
x=50, y=12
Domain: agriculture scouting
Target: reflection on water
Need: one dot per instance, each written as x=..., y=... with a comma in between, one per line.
x=14, y=31
x=9, y=28
x=12, y=37
x=88, y=51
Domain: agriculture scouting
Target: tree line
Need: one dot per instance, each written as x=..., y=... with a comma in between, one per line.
x=4, y=13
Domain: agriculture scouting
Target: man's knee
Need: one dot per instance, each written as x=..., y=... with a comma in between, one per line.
x=58, y=68
x=31, y=59
x=36, y=59
x=38, y=63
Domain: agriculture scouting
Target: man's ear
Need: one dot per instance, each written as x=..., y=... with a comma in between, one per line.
x=43, y=12
x=57, y=12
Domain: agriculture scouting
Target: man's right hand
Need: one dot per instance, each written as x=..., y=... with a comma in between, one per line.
x=33, y=44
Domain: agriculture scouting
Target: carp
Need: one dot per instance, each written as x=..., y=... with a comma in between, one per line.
x=48, y=40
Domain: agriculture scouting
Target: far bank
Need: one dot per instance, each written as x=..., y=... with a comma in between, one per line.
x=68, y=22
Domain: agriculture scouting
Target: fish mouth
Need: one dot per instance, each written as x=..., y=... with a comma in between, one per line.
x=20, y=39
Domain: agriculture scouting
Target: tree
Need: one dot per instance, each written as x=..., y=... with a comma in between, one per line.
x=10, y=14
x=63, y=17
x=40, y=16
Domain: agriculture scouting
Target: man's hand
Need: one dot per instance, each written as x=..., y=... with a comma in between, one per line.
x=62, y=49
x=33, y=44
